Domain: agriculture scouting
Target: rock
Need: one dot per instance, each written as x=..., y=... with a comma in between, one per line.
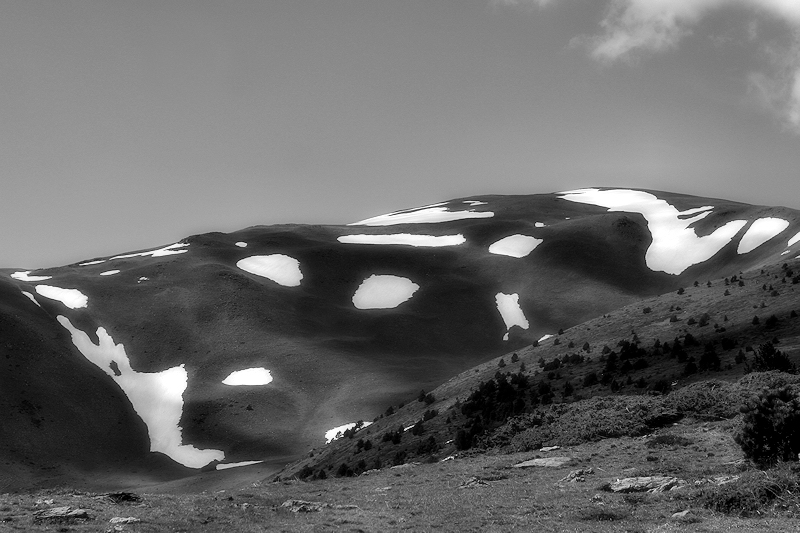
x=472, y=483
x=650, y=484
x=125, y=520
x=551, y=462
x=302, y=506
x=61, y=513
x=577, y=475
x=718, y=480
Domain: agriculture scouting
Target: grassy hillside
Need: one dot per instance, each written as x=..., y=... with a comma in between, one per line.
x=625, y=373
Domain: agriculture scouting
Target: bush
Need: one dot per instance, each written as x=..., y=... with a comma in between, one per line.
x=771, y=427
x=752, y=492
x=768, y=358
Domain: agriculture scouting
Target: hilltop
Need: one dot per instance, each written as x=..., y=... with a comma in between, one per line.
x=224, y=350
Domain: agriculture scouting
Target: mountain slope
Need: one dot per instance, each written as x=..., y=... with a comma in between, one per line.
x=341, y=320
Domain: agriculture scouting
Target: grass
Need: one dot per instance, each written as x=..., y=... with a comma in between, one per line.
x=431, y=497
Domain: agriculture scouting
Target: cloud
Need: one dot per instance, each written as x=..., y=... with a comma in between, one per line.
x=632, y=28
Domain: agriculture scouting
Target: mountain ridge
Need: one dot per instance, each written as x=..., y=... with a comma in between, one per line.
x=286, y=299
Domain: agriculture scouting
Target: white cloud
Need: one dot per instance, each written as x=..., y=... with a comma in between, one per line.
x=633, y=27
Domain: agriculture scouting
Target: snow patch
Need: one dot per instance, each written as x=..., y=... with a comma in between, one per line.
x=508, y=305
x=515, y=245
x=786, y=252
x=167, y=250
x=281, y=269
x=143, y=278
x=25, y=276
x=474, y=202
x=97, y=262
x=241, y=244
x=545, y=337
x=406, y=239
x=760, y=232
x=422, y=215
x=248, y=376
x=383, y=292
x=675, y=245
x=794, y=239
x=72, y=298
x=338, y=432
x=225, y=466
x=539, y=224
x=109, y=272
x=156, y=397
x=30, y=296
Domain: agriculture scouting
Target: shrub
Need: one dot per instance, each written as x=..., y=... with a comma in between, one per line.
x=646, y=310
x=752, y=492
x=514, y=357
x=768, y=358
x=771, y=427
x=501, y=363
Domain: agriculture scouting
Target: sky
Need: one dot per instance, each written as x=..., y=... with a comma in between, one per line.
x=131, y=125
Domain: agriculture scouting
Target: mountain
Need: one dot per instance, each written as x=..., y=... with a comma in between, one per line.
x=224, y=349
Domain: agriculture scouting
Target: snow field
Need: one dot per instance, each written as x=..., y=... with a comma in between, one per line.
x=225, y=466
x=515, y=245
x=156, y=397
x=335, y=433
x=422, y=215
x=281, y=269
x=406, y=239
x=508, y=305
x=25, y=276
x=30, y=297
x=760, y=232
x=383, y=292
x=161, y=252
x=72, y=298
x=675, y=245
x=248, y=376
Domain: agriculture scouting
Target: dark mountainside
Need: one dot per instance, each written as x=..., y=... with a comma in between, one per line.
x=177, y=322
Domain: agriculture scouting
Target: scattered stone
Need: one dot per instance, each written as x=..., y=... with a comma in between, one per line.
x=404, y=466
x=124, y=520
x=472, y=483
x=551, y=462
x=302, y=506
x=48, y=501
x=652, y=484
x=383, y=489
x=61, y=513
x=718, y=480
x=577, y=476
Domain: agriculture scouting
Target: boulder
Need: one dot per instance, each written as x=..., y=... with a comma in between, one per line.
x=551, y=462
x=61, y=513
x=577, y=475
x=651, y=484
